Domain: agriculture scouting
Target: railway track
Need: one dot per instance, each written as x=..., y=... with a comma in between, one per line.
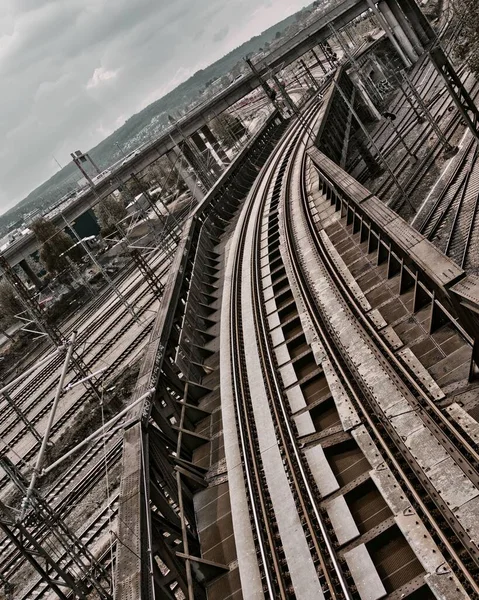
x=71, y=323
x=82, y=477
x=275, y=570
x=84, y=335
x=78, y=481
x=85, y=474
x=275, y=243
x=44, y=374
x=449, y=533
x=73, y=409
x=451, y=222
x=90, y=534
x=413, y=180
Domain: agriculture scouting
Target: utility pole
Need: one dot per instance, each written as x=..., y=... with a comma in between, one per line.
x=120, y=148
x=59, y=165
x=319, y=62
x=286, y=97
x=314, y=83
x=270, y=93
x=174, y=233
x=81, y=241
x=79, y=158
x=448, y=149
x=20, y=414
x=201, y=170
x=84, y=573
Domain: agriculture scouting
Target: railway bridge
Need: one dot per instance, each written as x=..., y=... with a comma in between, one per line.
x=305, y=421
x=312, y=432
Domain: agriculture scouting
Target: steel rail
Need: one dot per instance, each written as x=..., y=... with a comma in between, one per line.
x=241, y=392
x=342, y=369
x=282, y=417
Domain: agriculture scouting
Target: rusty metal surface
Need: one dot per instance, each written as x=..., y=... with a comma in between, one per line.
x=468, y=288
x=128, y=585
x=432, y=262
x=134, y=578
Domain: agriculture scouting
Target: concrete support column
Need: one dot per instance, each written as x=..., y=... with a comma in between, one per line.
x=418, y=21
x=385, y=25
x=406, y=26
x=29, y=272
x=195, y=161
x=176, y=159
x=287, y=98
x=211, y=164
x=366, y=98
x=266, y=88
x=215, y=144
x=319, y=61
x=398, y=31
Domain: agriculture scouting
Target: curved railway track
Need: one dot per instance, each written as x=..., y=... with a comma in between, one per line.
x=441, y=523
x=276, y=577
x=280, y=186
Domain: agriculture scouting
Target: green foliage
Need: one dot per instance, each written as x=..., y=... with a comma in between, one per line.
x=54, y=244
x=109, y=212
x=10, y=304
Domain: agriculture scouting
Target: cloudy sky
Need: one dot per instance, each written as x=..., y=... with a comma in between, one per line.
x=72, y=71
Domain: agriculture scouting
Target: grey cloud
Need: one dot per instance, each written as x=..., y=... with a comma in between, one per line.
x=50, y=50
x=221, y=34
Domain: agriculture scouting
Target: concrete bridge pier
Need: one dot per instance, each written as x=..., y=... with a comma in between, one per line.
x=209, y=159
x=195, y=160
x=383, y=15
x=176, y=158
x=402, y=19
x=417, y=20
x=215, y=144
x=397, y=28
x=30, y=273
x=423, y=31
x=366, y=98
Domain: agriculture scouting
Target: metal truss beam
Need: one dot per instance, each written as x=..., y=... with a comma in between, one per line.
x=463, y=101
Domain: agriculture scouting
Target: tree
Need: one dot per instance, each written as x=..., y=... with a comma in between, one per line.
x=10, y=303
x=466, y=13
x=109, y=212
x=55, y=243
x=152, y=175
